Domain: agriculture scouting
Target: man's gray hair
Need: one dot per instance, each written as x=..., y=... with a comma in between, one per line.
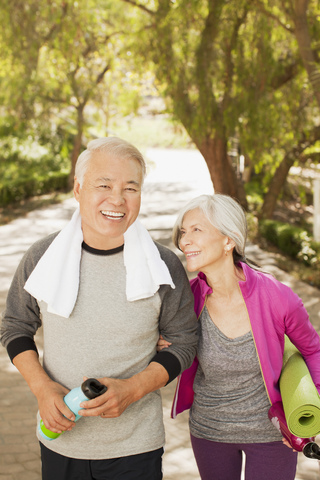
x=114, y=146
x=224, y=213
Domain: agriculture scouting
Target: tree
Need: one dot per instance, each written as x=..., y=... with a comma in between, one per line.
x=78, y=64
x=222, y=65
x=295, y=19
x=26, y=27
x=214, y=62
x=228, y=69
x=309, y=57
x=300, y=18
x=192, y=45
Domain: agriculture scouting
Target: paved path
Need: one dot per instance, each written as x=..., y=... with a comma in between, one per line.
x=176, y=177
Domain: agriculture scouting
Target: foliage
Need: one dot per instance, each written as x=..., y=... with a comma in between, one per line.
x=293, y=241
x=253, y=226
x=69, y=68
x=30, y=185
x=234, y=69
x=28, y=168
x=255, y=191
x=226, y=69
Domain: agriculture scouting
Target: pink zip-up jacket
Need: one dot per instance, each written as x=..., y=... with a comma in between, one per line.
x=274, y=311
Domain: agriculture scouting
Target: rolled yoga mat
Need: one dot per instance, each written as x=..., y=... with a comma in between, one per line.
x=300, y=399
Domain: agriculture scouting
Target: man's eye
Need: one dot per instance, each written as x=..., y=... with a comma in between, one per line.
x=103, y=186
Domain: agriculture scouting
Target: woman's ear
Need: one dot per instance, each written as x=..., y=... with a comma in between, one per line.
x=230, y=244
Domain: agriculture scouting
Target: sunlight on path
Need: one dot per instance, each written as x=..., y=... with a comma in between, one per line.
x=179, y=166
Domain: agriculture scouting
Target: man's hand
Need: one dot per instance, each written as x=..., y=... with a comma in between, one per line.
x=48, y=393
x=113, y=402
x=55, y=414
x=123, y=392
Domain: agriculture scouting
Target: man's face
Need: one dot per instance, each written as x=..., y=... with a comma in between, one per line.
x=109, y=199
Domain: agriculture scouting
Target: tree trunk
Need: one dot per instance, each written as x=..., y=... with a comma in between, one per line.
x=222, y=173
x=276, y=186
x=280, y=176
x=304, y=42
x=77, y=144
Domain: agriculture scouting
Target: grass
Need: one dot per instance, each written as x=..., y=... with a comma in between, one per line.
x=151, y=132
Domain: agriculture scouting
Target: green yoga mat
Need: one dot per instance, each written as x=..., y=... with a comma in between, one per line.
x=301, y=401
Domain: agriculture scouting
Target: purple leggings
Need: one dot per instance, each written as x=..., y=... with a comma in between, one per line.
x=264, y=461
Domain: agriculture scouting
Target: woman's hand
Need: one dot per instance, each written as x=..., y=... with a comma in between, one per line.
x=285, y=442
x=162, y=343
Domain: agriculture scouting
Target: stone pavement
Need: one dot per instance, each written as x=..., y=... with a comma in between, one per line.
x=19, y=450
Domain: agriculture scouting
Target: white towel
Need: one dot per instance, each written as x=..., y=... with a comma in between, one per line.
x=55, y=279
x=146, y=271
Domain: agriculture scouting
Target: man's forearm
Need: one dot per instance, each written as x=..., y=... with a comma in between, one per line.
x=31, y=369
x=49, y=394
x=155, y=376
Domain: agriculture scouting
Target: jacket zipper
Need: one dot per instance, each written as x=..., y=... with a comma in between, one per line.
x=255, y=346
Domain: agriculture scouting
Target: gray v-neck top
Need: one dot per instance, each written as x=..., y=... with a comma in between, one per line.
x=230, y=404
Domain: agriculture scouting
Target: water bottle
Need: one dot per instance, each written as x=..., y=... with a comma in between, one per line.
x=90, y=388
x=306, y=445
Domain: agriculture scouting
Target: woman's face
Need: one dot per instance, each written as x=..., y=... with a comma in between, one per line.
x=202, y=244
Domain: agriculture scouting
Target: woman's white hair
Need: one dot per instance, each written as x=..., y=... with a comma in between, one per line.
x=225, y=214
x=114, y=146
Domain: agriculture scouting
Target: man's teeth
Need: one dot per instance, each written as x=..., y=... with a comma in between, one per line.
x=106, y=213
x=191, y=254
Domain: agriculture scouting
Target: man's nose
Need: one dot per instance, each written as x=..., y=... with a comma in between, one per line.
x=116, y=197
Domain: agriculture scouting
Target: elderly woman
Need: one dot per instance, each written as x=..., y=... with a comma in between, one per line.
x=243, y=316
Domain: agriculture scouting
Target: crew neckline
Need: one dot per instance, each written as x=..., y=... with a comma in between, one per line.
x=96, y=251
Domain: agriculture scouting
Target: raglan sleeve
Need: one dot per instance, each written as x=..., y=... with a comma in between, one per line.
x=21, y=318
x=177, y=322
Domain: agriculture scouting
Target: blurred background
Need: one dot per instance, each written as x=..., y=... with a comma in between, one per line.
x=237, y=81
x=219, y=95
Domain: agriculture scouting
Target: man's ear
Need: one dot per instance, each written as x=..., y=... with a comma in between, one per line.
x=76, y=189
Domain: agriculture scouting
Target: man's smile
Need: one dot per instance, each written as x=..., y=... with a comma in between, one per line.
x=112, y=215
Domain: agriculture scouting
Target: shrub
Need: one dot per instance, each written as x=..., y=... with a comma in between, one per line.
x=30, y=186
x=28, y=169
x=267, y=229
x=291, y=240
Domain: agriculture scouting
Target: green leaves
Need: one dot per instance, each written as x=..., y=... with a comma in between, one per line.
x=225, y=68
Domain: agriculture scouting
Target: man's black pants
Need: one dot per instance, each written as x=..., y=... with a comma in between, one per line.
x=145, y=466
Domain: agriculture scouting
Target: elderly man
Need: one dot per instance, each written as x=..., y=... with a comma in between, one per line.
x=103, y=291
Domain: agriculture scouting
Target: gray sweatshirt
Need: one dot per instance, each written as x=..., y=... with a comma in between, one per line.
x=105, y=336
